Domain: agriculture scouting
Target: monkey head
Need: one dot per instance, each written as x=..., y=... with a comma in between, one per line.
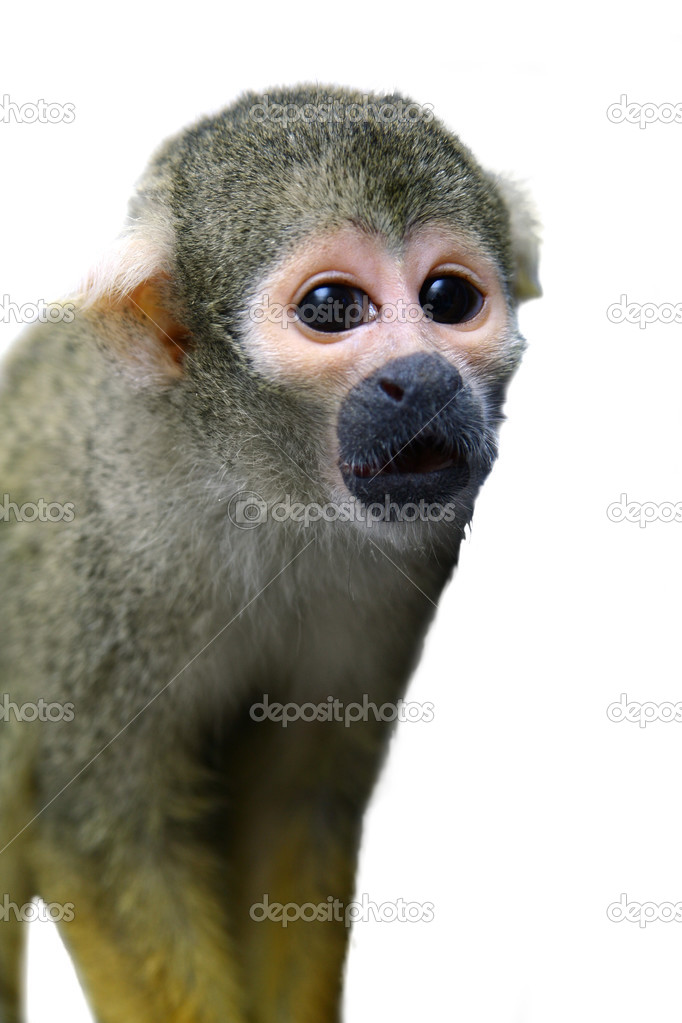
x=331, y=302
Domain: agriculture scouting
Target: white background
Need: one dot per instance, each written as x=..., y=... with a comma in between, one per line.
x=521, y=811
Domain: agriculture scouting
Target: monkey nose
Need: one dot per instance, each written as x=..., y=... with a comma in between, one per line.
x=427, y=381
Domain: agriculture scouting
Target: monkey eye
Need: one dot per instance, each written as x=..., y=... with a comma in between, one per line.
x=450, y=299
x=331, y=308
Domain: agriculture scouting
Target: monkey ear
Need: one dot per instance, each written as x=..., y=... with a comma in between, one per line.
x=525, y=238
x=132, y=287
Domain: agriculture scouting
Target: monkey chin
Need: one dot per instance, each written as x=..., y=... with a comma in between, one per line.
x=419, y=512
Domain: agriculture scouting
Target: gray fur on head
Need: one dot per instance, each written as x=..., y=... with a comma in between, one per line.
x=238, y=190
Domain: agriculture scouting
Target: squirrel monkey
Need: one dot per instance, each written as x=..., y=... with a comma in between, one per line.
x=236, y=479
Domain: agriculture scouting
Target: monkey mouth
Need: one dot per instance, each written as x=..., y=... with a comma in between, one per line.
x=413, y=432
x=422, y=455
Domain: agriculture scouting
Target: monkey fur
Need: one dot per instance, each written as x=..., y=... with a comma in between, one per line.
x=159, y=810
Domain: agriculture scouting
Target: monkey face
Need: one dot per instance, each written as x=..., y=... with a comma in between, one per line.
x=332, y=306
x=409, y=348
